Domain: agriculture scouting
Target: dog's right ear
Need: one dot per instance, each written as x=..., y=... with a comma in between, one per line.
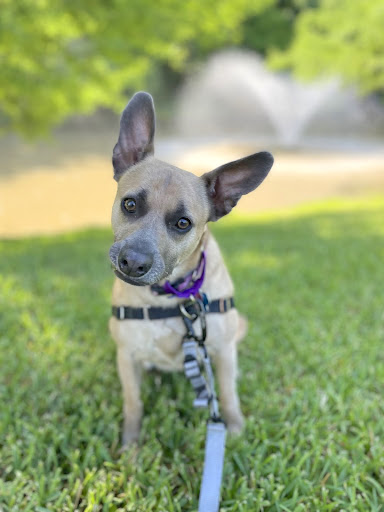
x=137, y=130
x=226, y=184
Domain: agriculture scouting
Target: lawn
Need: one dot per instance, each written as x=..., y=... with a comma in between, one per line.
x=311, y=377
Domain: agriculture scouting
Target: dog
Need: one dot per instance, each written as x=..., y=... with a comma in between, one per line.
x=159, y=220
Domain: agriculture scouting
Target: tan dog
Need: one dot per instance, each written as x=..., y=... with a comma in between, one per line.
x=159, y=219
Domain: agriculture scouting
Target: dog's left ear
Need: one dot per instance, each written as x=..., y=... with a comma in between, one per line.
x=137, y=130
x=226, y=184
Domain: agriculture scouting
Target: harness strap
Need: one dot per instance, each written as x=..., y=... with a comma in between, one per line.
x=155, y=313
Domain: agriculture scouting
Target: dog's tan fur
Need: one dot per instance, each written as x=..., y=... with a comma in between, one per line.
x=142, y=343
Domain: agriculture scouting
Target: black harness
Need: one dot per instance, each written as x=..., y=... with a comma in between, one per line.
x=157, y=313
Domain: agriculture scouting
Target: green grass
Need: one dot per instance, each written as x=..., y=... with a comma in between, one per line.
x=311, y=375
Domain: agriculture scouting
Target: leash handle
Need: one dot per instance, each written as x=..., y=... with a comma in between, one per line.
x=209, y=499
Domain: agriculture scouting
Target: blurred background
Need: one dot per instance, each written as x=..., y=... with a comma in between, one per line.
x=301, y=78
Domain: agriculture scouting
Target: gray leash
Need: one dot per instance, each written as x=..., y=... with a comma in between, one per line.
x=209, y=499
x=196, y=358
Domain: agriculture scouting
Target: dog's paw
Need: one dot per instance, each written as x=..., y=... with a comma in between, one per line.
x=235, y=425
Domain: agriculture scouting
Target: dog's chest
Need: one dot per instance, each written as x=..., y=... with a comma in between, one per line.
x=157, y=343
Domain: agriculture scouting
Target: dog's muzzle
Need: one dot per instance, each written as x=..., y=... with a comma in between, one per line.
x=136, y=264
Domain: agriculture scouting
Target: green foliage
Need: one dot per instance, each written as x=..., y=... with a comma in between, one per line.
x=60, y=58
x=341, y=37
x=274, y=27
x=311, y=375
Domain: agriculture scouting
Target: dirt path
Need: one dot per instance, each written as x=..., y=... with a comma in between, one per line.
x=43, y=194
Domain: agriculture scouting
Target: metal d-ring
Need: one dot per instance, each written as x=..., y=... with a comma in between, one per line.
x=184, y=312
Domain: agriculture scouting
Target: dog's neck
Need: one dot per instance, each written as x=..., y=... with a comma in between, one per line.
x=217, y=282
x=189, y=264
x=124, y=293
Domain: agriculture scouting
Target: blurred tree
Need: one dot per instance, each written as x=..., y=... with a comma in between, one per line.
x=60, y=57
x=340, y=37
x=274, y=27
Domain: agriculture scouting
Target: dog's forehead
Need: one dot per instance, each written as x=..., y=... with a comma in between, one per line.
x=162, y=183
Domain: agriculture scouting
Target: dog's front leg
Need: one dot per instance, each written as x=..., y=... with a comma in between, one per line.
x=226, y=364
x=130, y=377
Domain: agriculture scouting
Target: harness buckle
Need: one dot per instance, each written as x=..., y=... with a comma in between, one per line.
x=224, y=305
x=121, y=312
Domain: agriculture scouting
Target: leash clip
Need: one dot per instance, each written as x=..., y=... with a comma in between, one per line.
x=183, y=310
x=189, y=317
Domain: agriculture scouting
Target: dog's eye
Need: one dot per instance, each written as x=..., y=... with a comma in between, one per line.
x=130, y=205
x=183, y=223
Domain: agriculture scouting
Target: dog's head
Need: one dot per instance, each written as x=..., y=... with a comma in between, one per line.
x=160, y=211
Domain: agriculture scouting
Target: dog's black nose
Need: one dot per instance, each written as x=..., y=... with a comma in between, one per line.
x=134, y=264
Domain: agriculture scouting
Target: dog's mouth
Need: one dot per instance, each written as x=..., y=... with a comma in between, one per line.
x=130, y=280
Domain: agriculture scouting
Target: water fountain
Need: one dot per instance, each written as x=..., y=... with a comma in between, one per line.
x=235, y=93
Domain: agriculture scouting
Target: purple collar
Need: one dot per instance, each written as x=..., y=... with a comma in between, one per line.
x=187, y=286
